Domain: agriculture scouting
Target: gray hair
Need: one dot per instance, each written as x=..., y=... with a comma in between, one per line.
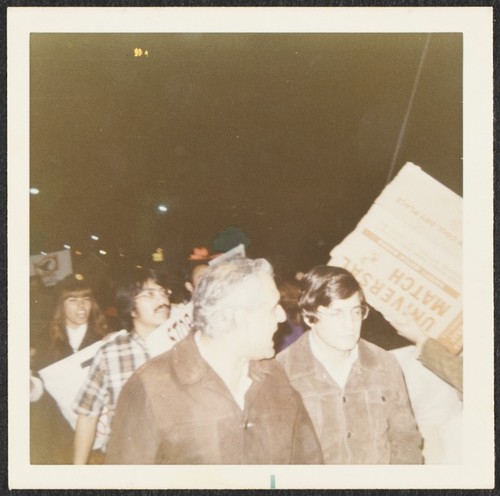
x=223, y=286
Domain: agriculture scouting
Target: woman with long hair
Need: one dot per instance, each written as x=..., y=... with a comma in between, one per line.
x=77, y=322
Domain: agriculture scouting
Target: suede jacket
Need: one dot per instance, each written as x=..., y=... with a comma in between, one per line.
x=177, y=410
x=370, y=420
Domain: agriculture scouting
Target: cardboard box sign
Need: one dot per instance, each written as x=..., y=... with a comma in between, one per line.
x=406, y=252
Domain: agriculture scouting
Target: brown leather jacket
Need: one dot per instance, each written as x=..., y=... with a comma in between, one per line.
x=370, y=420
x=176, y=410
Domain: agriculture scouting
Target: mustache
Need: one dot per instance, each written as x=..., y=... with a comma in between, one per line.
x=163, y=305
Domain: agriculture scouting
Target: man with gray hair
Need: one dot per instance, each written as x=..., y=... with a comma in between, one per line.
x=216, y=398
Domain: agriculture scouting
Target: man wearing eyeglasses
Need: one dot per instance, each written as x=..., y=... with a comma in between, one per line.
x=353, y=390
x=143, y=304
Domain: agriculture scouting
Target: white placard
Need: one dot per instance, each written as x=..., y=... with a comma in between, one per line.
x=406, y=252
x=52, y=267
x=63, y=379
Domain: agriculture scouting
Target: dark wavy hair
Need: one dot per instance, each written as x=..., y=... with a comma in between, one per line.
x=129, y=285
x=67, y=288
x=324, y=284
x=289, y=299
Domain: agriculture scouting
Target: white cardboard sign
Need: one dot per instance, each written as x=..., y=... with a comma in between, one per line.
x=406, y=252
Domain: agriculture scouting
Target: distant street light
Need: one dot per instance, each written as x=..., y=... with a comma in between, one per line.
x=103, y=252
x=94, y=237
x=67, y=247
x=162, y=208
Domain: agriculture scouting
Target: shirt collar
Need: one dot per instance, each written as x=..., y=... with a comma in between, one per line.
x=339, y=373
x=75, y=336
x=323, y=358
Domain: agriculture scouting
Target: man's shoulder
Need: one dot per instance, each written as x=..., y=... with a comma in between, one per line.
x=162, y=365
x=273, y=377
x=268, y=366
x=301, y=345
x=156, y=364
x=115, y=338
x=297, y=358
x=374, y=356
x=371, y=348
x=113, y=343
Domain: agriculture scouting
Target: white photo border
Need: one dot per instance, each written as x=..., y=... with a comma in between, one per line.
x=476, y=24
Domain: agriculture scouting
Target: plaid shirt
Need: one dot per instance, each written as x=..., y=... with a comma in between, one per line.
x=120, y=355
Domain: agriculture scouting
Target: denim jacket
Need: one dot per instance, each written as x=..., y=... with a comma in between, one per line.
x=370, y=420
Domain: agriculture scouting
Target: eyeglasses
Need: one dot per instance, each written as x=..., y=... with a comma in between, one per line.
x=151, y=293
x=357, y=313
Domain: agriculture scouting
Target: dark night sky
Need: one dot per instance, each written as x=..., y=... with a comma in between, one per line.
x=288, y=136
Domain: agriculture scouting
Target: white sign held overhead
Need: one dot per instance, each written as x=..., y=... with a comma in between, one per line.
x=406, y=252
x=237, y=251
x=51, y=267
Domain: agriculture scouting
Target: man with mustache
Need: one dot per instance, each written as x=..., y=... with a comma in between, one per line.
x=218, y=397
x=142, y=300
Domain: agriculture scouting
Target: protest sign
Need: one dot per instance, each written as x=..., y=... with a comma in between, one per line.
x=406, y=252
x=237, y=251
x=63, y=379
x=52, y=267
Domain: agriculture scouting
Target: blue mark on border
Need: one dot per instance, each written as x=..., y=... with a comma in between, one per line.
x=273, y=482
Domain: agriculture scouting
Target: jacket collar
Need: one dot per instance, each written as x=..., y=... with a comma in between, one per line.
x=190, y=367
x=302, y=361
x=188, y=364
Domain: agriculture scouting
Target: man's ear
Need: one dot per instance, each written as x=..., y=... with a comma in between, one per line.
x=189, y=287
x=307, y=321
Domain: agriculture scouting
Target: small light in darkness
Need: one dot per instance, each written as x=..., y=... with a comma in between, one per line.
x=103, y=252
x=162, y=208
x=139, y=52
x=67, y=247
x=79, y=277
x=158, y=255
x=94, y=237
x=34, y=191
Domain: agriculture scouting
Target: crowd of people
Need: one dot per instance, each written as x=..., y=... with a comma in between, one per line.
x=236, y=366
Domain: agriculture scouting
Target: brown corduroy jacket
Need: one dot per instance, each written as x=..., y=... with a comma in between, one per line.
x=370, y=420
x=176, y=410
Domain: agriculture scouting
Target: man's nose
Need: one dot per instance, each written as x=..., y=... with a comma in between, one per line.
x=281, y=314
